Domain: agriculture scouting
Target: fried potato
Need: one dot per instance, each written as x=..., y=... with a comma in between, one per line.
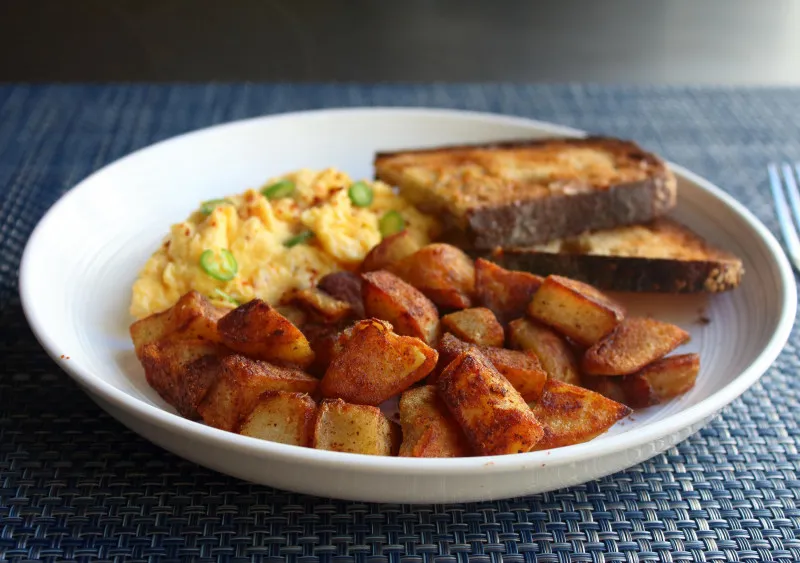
x=429, y=430
x=521, y=369
x=660, y=381
x=182, y=371
x=376, y=364
x=389, y=298
x=493, y=415
x=345, y=286
x=575, y=309
x=444, y=273
x=282, y=416
x=631, y=346
x=241, y=381
x=193, y=317
x=506, y=292
x=294, y=315
x=477, y=325
x=390, y=250
x=326, y=341
x=572, y=414
x=257, y=330
x=319, y=305
x=358, y=429
x=554, y=352
x=610, y=387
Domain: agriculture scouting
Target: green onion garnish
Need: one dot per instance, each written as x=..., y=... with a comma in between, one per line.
x=391, y=222
x=298, y=239
x=220, y=266
x=225, y=297
x=360, y=194
x=208, y=206
x=283, y=188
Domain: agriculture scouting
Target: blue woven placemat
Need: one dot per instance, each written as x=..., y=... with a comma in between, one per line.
x=76, y=485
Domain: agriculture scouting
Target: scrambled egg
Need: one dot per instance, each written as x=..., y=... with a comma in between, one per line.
x=247, y=246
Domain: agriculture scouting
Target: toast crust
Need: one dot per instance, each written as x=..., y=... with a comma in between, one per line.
x=529, y=191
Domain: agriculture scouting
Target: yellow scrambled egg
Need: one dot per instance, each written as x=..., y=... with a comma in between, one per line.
x=248, y=238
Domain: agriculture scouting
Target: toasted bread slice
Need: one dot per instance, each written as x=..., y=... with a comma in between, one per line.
x=660, y=256
x=526, y=192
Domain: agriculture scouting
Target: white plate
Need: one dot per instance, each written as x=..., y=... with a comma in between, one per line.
x=82, y=258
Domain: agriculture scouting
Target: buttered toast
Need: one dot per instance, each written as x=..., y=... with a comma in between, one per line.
x=660, y=256
x=522, y=193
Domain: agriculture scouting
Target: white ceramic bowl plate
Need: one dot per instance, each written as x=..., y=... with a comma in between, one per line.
x=82, y=258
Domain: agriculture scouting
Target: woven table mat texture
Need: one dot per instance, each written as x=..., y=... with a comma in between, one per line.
x=77, y=485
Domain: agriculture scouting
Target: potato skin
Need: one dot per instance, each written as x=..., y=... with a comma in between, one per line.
x=390, y=250
x=345, y=286
x=477, y=325
x=320, y=306
x=375, y=364
x=660, y=381
x=505, y=292
x=326, y=341
x=494, y=416
x=429, y=430
x=635, y=343
x=442, y=272
x=282, y=416
x=389, y=298
x=257, y=330
x=555, y=354
x=358, y=429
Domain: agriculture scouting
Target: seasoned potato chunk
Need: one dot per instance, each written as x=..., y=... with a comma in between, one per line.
x=477, y=325
x=506, y=292
x=326, y=341
x=491, y=412
x=282, y=416
x=295, y=315
x=444, y=273
x=390, y=250
x=429, y=430
x=521, y=369
x=660, y=381
x=241, y=382
x=193, y=317
x=554, y=352
x=376, y=364
x=358, y=429
x=610, y=387
x=389, y=298
x=572, y=414
x=259, y=331
x=182, y=371
x=319, y=305
x=631, y=346
x=575, y=309
x=345, y=286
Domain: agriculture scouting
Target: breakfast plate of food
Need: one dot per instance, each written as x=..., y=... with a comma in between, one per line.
x=406, y=305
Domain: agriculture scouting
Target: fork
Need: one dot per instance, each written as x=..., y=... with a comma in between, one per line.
x=783, y=181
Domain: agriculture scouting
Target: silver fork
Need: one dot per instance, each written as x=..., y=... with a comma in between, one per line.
x=783, y=179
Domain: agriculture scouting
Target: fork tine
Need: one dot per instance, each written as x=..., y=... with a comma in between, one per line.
x=788, y=230
x=792, y=192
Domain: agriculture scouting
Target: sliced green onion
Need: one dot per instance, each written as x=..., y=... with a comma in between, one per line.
x=360, y=194
x=283, y=188
x=298, y=239
x=208, y=206
x=391, y=222
x=220, y=266
x=225, y=297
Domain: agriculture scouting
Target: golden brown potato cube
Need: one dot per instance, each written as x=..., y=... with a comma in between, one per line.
x=572, y=414
x=442, y=272
x=477, y=325
x=554, y=352
x=389, y=298
x=294, y=315
x=494, y=416
x=282, y=416
x=182, y=371
x=241, y=382
x=610, y=387
x=320, y=306
x=193, y=317
x=631, y=346
x=660, y=381
x=521, y=369
x=345, y=286
x=358, y=429
x=575, y=309
x=326, y=341
x=390, y=250
x=376, y=364
x=429, y=430
x=257, y=330
x=506, y=292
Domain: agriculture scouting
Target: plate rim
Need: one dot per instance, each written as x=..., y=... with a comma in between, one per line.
x=201, y=433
